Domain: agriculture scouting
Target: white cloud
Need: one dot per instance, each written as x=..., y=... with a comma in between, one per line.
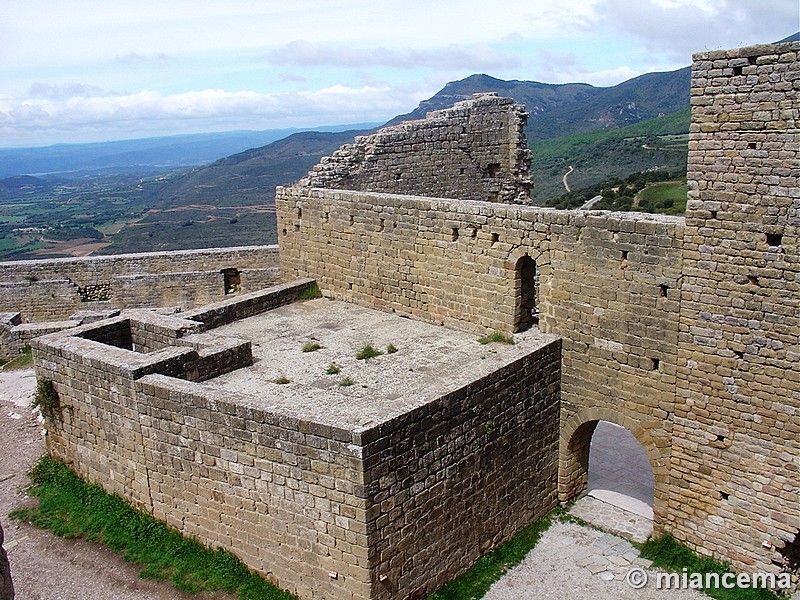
x=151, y=113
x=134, y=57
x=67, y=90
x=305, y=53
x=678, y=28
x=289, y=76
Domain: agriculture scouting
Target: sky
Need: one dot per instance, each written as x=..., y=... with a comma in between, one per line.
x=88, y=70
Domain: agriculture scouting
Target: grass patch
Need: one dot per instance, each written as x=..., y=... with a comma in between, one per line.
x=282, y=380
x=666, y=553
x=476, y=582
x=71, y=508
x=346, y=382
x=310, y=293
x=22, y=361
x=333, y=369
x=367, y=352
x=497, y=338
x=311, y=347
x=667, y=198
x=391, y=349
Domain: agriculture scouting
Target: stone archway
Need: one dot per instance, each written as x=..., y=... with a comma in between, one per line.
x=576, y=437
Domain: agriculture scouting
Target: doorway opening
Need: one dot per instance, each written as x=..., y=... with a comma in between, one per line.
x=526, y=287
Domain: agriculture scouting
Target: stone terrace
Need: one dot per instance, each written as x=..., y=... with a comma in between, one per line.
x=430, y=360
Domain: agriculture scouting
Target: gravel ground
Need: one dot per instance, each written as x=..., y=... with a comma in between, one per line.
x=45, y=567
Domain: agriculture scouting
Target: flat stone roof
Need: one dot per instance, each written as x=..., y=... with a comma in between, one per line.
x=430, y=360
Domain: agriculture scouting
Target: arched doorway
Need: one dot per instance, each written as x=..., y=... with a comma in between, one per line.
x=608, y=457
x=526, y=285
x=619, y=470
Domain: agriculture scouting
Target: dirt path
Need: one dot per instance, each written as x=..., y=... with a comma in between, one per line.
x=564, y=179
x=43, y=566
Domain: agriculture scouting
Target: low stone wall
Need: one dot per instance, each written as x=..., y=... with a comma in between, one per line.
x=52, y=290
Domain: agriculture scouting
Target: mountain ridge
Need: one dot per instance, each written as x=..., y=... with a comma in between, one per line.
x=557, y=109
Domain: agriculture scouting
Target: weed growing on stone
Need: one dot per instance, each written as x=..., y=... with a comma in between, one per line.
x=310, y=293
x=496, y=337
x=71, y=508
x=367, y=352
x=333, y=369
x=282, y=380
x=391, y=349
x=311, y=347
x=346, y=382
x=46, y=399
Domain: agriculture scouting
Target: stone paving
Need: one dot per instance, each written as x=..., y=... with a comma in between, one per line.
x=577, y=562
x=613, y=519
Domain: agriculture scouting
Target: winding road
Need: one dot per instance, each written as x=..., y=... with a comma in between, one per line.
x=564, y=179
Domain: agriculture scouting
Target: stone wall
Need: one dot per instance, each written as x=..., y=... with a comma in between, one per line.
x=51, y=290
x=455, y=478
x=475, y=150
x=736, y=449
x=332, y=508
x=608, y=284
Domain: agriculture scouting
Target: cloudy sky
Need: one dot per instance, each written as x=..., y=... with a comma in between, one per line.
x=95, y=70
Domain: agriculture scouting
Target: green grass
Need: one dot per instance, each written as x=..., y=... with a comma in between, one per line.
x=310, y=293
x=479, y=578
x=391, y=349
x=368, y=351
x=333, y=369
x=497, y=338
x=71, y=508
x=311, y=347
x=22, y=361
x=667, y=554
x=282, y=380
x=347, y=382
x=666, y=198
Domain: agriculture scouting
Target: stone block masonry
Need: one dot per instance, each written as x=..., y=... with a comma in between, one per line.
x=475, y=150
x=736, y=450
x=607, y=283
x=52, y=290
x=683, y=331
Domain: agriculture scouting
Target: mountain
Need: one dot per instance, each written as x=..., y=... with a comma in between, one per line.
x=252, y=175
x=20, y=185
x=230, y=202
x=563, y=109
x=147, y=154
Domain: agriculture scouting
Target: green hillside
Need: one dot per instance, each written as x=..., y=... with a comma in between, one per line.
x=659, y=143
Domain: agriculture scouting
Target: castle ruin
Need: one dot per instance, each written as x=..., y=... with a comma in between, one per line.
x=683, y=330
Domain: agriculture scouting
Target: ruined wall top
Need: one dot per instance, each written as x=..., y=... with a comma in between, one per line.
x=476, y=150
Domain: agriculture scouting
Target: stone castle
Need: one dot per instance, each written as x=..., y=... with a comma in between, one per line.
x=683, y=330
